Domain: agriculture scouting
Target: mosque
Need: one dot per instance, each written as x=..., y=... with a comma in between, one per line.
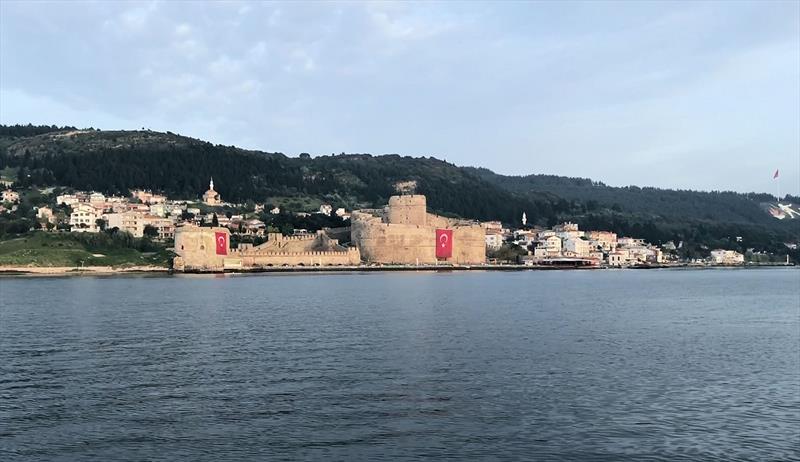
x=211, y=197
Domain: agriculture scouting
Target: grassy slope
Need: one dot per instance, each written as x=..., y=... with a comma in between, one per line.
x=60, y=249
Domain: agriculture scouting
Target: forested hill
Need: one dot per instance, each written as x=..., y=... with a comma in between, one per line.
x=724, y=207
x=117, y=161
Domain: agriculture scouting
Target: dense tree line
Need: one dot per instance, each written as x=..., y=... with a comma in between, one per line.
x=17, y=131
x=725, y=206
x=115, y=162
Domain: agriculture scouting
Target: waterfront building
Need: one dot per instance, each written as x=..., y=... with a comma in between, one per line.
x=577, y=247
x=726, y=257
x=605, y=240
x=551, y=244
x=618, y=257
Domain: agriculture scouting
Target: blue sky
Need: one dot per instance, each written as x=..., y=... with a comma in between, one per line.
x=683, y=95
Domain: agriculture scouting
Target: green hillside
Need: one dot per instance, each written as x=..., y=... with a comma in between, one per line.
x=80, y=249
x=116, y=161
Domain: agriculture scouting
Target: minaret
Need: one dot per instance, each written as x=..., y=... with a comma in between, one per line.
x=211, y=184
x=524, y=219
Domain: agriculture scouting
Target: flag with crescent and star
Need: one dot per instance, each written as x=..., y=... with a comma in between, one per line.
x=222, y=243
x=444, y=243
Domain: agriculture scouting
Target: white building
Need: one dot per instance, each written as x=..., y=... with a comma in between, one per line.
x=726, y=257
x=97, y=198
x=135, y=222
x=618, y=257
x=577, y=247
x=84, y=218
x=551, y=245
x=494, y=239
x=630, y=242
x=68, y=199
x=567, y=231
x=325, y=209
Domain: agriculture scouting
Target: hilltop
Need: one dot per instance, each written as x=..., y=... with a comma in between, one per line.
x=116, y=161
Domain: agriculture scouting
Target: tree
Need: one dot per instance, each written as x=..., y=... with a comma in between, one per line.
x=150, y=231
x=214, y=220
x=508, y=253
x=101, y=224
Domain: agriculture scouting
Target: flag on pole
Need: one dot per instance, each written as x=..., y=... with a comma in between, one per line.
x=775, y=175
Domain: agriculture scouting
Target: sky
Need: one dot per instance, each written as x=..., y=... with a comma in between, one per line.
x=686, y=95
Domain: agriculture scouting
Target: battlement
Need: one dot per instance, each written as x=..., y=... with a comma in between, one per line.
x=278, y=237
x=313, y=253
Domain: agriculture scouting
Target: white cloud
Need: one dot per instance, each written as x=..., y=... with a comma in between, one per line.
x=138, y=17
x=586, y=89
x=183, y=29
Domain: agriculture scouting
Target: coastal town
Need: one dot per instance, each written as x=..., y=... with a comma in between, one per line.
x=403, y=233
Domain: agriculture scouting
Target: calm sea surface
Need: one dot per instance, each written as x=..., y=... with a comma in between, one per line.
x=547, y=365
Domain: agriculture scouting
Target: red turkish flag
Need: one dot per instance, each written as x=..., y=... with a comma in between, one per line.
x=444, y=243
x=222, y=243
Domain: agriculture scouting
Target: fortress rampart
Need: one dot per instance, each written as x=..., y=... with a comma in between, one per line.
x=197, y=251
x=404, y=233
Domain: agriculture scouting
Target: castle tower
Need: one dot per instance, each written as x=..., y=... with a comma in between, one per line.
x=408, y=210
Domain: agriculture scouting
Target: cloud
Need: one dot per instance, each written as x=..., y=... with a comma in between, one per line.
x=589, y=89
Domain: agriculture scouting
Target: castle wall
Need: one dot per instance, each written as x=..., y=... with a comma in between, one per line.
x=349, y=257
x=409, y=244
x=196, y=251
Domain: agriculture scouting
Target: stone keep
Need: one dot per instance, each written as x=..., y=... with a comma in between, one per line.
x=404, y=233
x=196, y=248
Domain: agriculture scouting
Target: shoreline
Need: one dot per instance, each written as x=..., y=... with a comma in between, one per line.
x=78, y=271
x=110, y=270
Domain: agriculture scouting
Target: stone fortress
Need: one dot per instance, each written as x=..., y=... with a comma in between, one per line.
x=402, y=233
x=197, y=251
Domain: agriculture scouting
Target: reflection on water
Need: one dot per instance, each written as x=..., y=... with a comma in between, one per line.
x=599, y=365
